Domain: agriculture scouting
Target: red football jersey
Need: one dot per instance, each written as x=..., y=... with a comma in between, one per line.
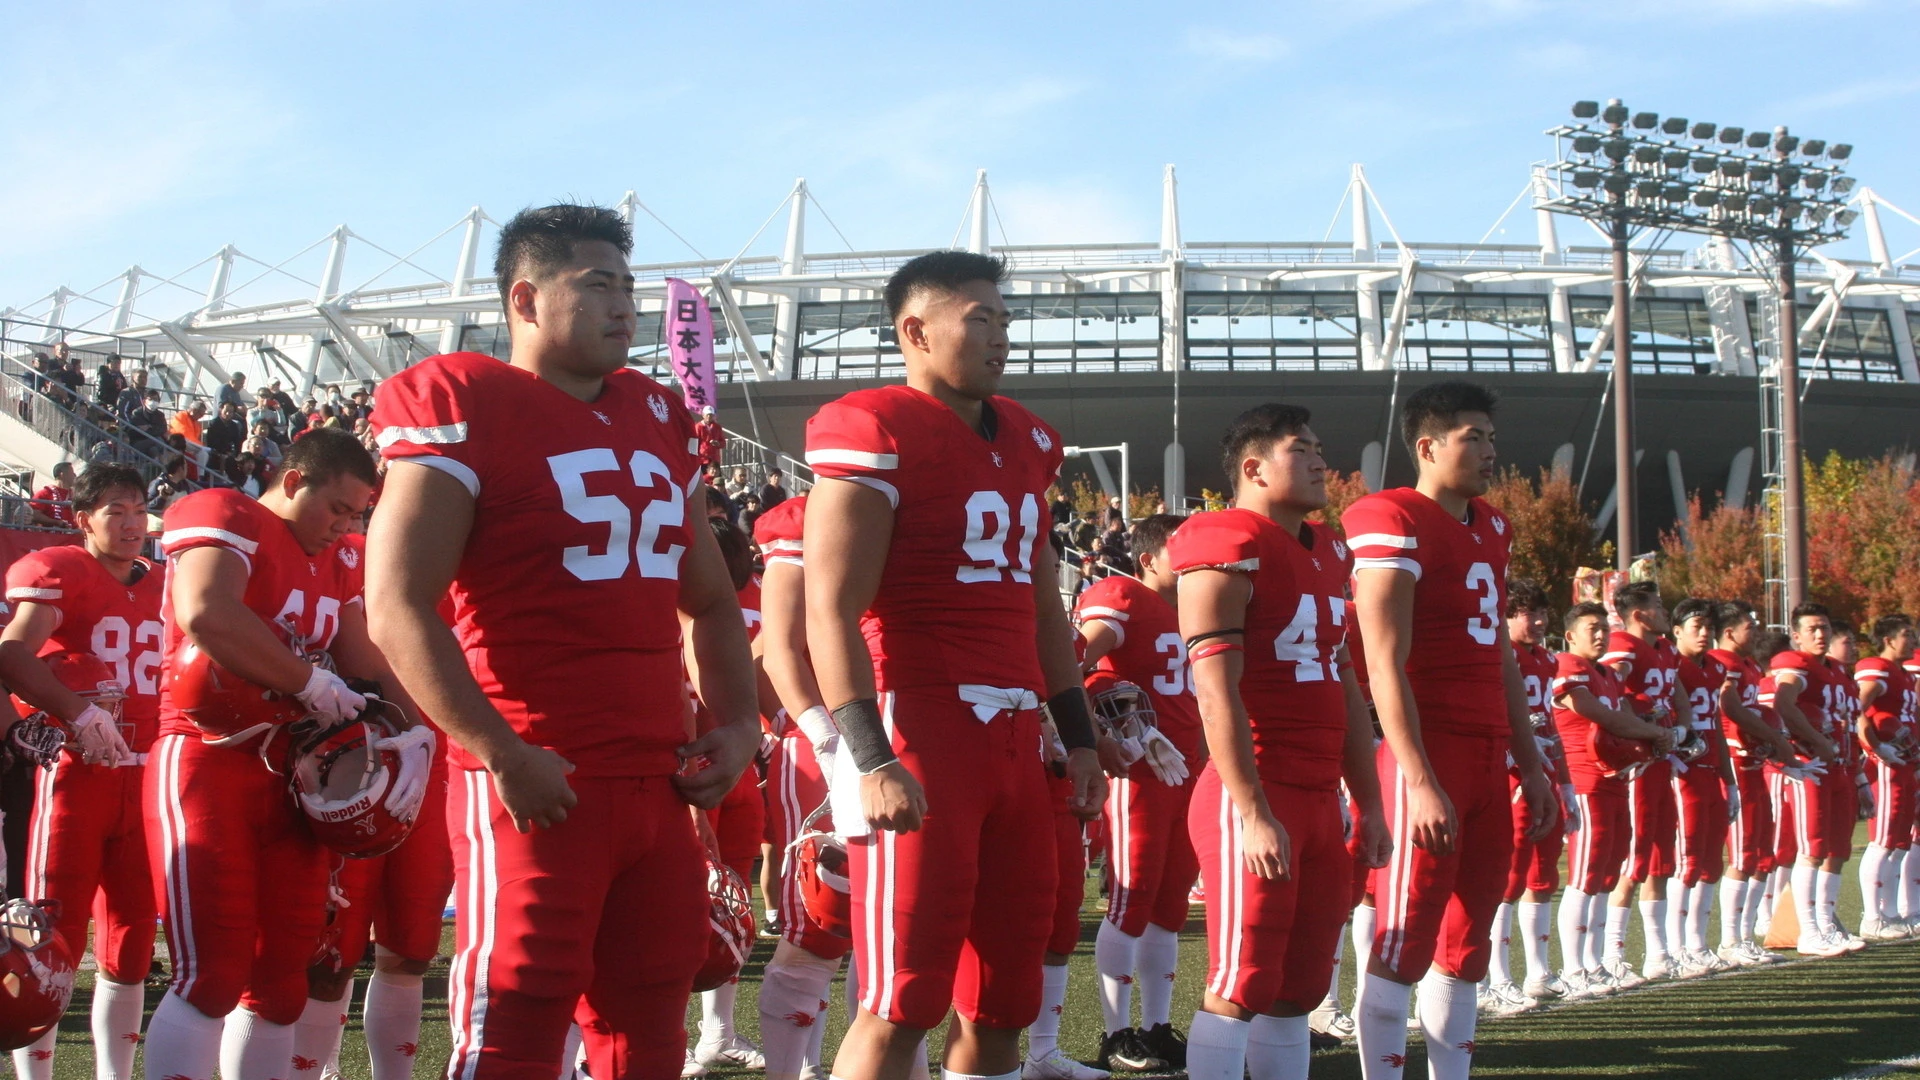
x=1574, y=729
x=1149, y=653
x=778, y=531
x=1889, y=713
x=1747, y=677
x=566, y=595
x=1537, y=670
x=1648, y=672
x=118, y=623
x=749, y=595
x=955, y=603
x=1701, y=682
x=1295, y=624
x=1459, y=600
x=284, y=583
x=1824, y=692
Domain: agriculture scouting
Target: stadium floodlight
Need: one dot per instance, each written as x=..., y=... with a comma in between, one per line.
x=1769, y=187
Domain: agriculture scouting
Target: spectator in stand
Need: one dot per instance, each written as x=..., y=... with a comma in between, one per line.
x=713, y=437
x=285, y=399
x=240, y=474
x=109, y=383
x=718, y=505
x=741, y=484
x=131, y=397
x=363, y=430
x=235, y=392
x=771, y=493
x=268, y=413
x=327, y=416
x=178, y=444
x=749, y=512
x=37, y=372
x=170, y=484
x=361, y=404
x=1116, y=517
x=53, y=504
x=186, y=424
x=148, y=420
x=1061, y=510
x=335, y=398
x=225, y=433
x=261, y=444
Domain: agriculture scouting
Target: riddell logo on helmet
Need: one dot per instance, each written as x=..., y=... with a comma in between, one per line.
x=352, y=810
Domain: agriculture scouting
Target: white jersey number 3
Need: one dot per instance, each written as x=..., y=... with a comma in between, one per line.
x=1484, y=628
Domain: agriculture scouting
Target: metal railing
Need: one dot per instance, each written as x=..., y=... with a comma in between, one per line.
x=88, y=433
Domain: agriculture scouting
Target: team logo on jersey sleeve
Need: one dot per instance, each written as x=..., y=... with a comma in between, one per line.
x=1499, y=525
x=1042, y=440
x=659, y=406
x=1340, y=549
x=349, y=558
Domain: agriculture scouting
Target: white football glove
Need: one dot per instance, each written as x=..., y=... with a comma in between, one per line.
x=1127, y=737
x=328, y=695
x=1052, y=747
x=1570, y=800
x=409, y=788
x=98, y=737
x=1167, y=762
x=823, y=735
x=1733, y=801
x=1890, y=754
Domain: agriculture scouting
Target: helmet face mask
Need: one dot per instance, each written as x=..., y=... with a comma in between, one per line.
x=818, y=861
x=340, y=781
x=36, y=973
x=40, y=736
x=730, y=925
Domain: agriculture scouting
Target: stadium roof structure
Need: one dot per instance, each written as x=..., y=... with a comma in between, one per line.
x=1365, y=303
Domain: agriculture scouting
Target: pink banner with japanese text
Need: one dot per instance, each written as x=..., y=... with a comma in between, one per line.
x=689, y=336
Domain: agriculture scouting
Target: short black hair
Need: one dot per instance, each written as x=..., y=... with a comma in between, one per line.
x=941, y=271
x=322, y=454
x=1637, y=596
x=1769, y=645
x=1255, y=431
x=1583, y=610
x=62, y=466
x=1695, y=608
x=172, y=463
x=1525, y=594
x=735, y=548
x=1433, y=410
x=100, y=480
x=1150, y=533
x=1731, y=613
x=1808, y=609
x=1841, y=629
x=541, y=238
x=1888, y=627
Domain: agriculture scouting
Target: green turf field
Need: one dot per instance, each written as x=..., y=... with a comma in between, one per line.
x=1799, y=1021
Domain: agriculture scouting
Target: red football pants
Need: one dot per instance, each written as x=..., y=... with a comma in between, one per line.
x=400, y=898
x=957, y=914
x=1892, y=805
x=1536, y=863
x=1439, y=908
x=795, y=789
x=1815, y=820
x=1656, y=821
x=1702, y=808
x=87, y=851
x=238, y=876
x=1152, y=855
x=1271, y=942
x=1597, y=852
x=740, y=824
x=1750, y=834
x=601, y=919
x=1786, y=839
x=1070, y=854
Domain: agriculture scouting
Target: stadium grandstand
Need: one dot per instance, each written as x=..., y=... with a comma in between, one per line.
x=1111, y=342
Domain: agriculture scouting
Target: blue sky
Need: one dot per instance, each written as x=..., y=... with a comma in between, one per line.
x=154, y=133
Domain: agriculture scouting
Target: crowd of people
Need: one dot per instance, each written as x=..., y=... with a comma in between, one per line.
x=575, y=678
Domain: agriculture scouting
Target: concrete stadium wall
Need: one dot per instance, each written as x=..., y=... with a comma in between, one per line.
x=1707, y=419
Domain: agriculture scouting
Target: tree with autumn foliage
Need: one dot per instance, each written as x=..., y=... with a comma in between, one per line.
x=1863, y=536
x=1552, y=531
x=1343, y=490
x=1718, y=555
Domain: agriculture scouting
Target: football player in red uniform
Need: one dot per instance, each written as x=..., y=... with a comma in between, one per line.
x=1430, y=572
x=88, y=847
x=1886, y=731
x=559, y=498
x=1534, y=874
x=1908, y=888
x=1753, y=739
x=1810, y=694
x=1263, y=608
x=1589, y=709
x=935, y=629
x=254, y=590
x=1708, y=795
x=1131, y=631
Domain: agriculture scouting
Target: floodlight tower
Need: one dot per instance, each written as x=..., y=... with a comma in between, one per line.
x=1772, y=190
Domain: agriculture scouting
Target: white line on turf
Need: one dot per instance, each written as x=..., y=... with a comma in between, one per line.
x=1911, y=1061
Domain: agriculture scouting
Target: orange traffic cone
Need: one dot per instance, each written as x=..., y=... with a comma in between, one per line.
x=1783, y=932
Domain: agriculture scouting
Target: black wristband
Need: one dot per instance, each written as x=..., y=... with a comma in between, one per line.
x=1071, y=719
x=864, y=734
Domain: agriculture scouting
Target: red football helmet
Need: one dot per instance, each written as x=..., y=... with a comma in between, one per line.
x=341, y=782
x=1120, y=706
x=36, y=973
x=730, y=919
x=40, y=736
x=225, y=707
x=1689, y=745
x=1618, y=756
x=819, y=862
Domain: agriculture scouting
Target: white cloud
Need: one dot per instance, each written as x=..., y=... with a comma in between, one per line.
x=1068, y=211
x=1239, y=48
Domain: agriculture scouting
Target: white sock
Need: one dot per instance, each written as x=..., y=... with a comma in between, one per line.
x=793, y=1008
x=1447, y=1018
x=1043, y=1037
x=182, y=1040
x=1599, y=910
x=1116, y=955
x=1380, y=1017
x=569, y=1052
x=28, y=1062
x=1769, y=895
x=1733, y=909
x=1701, y=913
x=117, y=1011
x=1616, y=940
x=1653, y=923
x=1896, y=878
x=1363, y=922
x=1573, y=930
x=1536, y=924
x=920, y=1070
x=252, y=1048
x=1158, y=963
x=1217, y=1047
x=1756, y=896
x=391, y=1014
x=316, y=1035
x=1909, y=885
x=1803, y=897
x=1277, y=1048
x=1498, y=968
x=1678, y=910
x=1828, y=882
x=949, y=1074
x=716, y=1012
x=1331, y=1002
